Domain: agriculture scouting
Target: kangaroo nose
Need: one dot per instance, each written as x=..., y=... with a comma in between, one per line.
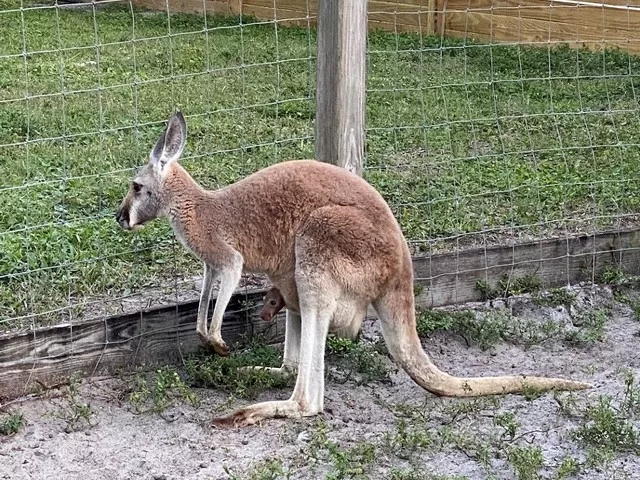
x=122, y=218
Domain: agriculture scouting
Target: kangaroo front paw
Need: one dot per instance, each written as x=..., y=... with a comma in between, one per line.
x=220, y=347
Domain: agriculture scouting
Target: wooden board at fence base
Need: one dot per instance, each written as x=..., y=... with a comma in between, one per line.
x=451, y=278
x=163, y=335
x=159, y=335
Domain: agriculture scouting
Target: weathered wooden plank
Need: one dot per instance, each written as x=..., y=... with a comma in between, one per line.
x=401, y=16
x=340, y=92
x=501, y=28
x=624, y=22
x=161, y=334
x=451, y=278
x=223, y=7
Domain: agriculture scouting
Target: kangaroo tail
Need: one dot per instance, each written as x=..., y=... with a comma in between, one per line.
x=396, y=311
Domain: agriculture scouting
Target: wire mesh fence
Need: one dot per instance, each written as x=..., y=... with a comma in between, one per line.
x=86, y=90
x=483, y=129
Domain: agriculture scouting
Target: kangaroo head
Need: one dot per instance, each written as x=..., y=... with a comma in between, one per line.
x=147, y=197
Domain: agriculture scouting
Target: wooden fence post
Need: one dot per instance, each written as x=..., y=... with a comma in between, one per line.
x=340, y=93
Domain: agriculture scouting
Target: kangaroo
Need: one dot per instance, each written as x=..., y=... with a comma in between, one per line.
x=272, y=303
x=330, y=244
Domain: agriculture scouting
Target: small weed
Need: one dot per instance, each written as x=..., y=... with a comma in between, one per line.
x=487, y=292
x=611, y=275
x=567, y=404
x=271, y=469
x=598, y=457
x=555, y=297
x=464, y=409
x=420, y=474
x=471, y=445
x=569, y=467
x=72, y=410
x=607, y=429
x=417, y=289
x=508, y=422
x=629, y=299
x=226, y=373
x=631, y=399
x=406, y=440
x=591, y=329
x=526, y=461
x=527, y=332
x=508, y=286
x=531, y=393
x=11, y=424
x=354, y=360
x=346, y=463
x=162, y=391
x=352, y=462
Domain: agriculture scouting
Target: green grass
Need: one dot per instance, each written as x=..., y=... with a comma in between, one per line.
x=459, y=140
x=162, y=390
x=226, y=373
x=11, y=423
x=489, y=328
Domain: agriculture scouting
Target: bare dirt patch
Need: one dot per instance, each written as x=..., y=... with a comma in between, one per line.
x=385, y=428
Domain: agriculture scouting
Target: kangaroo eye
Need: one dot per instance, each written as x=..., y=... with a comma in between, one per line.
x=272, y=302
x=136, y=187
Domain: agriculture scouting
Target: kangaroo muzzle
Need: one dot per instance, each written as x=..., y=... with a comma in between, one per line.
x=122, y=217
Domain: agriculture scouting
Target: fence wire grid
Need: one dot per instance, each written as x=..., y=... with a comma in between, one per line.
x=478, y=131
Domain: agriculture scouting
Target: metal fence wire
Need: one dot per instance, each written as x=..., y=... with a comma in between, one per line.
x=483, y=127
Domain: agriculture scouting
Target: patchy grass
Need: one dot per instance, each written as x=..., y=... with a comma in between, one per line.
x=344, y=462
x=420, y=474
x=485, y=332
x=590, y=327
x=508, y=286
x=266, y=470
x=526, y=461
x=490, y=327
x=72, y=408
x=227, y=374
x=461, y=137
x=607, y=429
x=555, y=297
x=569, y=467
x=361, y=362
x=11, y=423
x=160, y=390
x=606, y=423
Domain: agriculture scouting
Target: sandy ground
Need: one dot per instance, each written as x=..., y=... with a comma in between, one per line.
x=120, y=443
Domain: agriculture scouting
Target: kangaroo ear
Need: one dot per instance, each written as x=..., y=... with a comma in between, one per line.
x=170, y=145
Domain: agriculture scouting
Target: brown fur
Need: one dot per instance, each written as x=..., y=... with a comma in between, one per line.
x=329, y=243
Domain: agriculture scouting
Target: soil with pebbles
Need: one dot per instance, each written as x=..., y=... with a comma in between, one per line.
x=180, y=443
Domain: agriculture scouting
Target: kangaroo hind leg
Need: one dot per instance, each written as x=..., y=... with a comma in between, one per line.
x=318, y=294
x=317, y=309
